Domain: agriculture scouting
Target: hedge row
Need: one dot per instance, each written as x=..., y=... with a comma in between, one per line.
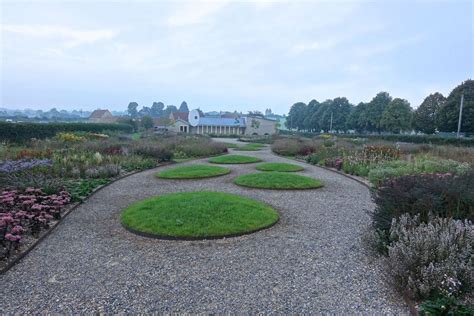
x=417, y=139
x=21, y=132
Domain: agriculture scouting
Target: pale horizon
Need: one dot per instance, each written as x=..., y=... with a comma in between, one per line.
x=227, y=55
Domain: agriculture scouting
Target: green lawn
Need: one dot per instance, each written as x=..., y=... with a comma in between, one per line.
x=193, y=172
x=233, y=159
x=251, y=147
x=279, y=166
x=198, y=215
x=277, y=181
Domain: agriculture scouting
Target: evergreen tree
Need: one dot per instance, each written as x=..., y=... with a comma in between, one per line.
x=184, y=107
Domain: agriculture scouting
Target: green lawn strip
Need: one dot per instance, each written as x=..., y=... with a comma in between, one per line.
x=198, y=215
x=193, y=172
x=277, y=180
x=234, y=159
x=279, y=166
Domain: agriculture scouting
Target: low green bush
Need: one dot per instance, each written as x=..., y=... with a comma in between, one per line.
x=398, y=168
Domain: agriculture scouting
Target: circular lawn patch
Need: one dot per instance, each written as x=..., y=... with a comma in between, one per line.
x=233, y=159
x=193, y=172
x=279, y=166
x=197, y=215
x=277, y=181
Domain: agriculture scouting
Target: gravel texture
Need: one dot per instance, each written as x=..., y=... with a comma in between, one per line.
x=311, y=261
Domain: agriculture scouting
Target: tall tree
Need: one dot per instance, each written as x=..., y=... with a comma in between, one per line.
x=296, y=116
x=320, y=115
x=424, y=118
x=157, y=109
x=448, y=114
x=357, y=120
x=132, y=109
x=183, y=107
x=169, y=109
x=375, y=109
x=397, y=116
x=308, y=122
x=144, y=111
x=339, y=109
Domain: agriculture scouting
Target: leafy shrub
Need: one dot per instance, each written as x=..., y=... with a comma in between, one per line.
x=135, y=162
x=149, y=150
x=444, y=306
x=70, y=137
x=444, y=195
x=79, y=189
x=374, y=154
x=398, y=168
x=423, y=255
x=34, y=154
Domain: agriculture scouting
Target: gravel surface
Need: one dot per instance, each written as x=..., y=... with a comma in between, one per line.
x=312, y=261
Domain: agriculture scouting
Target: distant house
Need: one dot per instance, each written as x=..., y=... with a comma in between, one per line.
x=174, y=116
x=102, y=116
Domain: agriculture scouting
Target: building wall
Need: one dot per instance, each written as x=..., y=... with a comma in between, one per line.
x=178, y=125
x=264, y=126
x=218, y=130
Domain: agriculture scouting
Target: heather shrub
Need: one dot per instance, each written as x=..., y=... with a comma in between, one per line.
x=152, y=150
x=396, y=168
x=423, y=256
x=444, y=195
x=199, y=147
x=293, y=147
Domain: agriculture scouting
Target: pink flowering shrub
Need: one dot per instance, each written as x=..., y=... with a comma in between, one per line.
x=27, y=212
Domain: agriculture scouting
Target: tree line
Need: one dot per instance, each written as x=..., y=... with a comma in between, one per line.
x=156, y=110
x=387, y=114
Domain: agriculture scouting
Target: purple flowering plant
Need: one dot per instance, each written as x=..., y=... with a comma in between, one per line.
x=27, y=212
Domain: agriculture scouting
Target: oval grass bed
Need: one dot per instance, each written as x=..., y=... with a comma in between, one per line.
x=250, y=147
x=193, y=172
x=197, y=215
x=279, y=166
x=234, y=159
x=277, y=181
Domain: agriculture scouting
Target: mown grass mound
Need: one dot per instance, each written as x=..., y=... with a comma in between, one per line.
x=279, y=166
x=193, y=172
x=234, y=159
x=198, y=215
x=277, y=181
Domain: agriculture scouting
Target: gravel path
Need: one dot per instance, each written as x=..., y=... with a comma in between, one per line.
x=312, y=261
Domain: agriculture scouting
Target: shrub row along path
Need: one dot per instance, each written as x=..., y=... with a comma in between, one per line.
x=312, y=260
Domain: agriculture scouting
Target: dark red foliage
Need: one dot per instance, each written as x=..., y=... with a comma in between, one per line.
x=444, y=195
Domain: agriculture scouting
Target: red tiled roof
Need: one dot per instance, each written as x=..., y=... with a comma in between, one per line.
x=181, y=115
x=98, y=113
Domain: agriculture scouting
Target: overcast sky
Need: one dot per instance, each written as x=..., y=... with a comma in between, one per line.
x=227, y=55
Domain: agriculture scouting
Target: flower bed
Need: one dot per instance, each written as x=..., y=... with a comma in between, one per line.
x=27, y=212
